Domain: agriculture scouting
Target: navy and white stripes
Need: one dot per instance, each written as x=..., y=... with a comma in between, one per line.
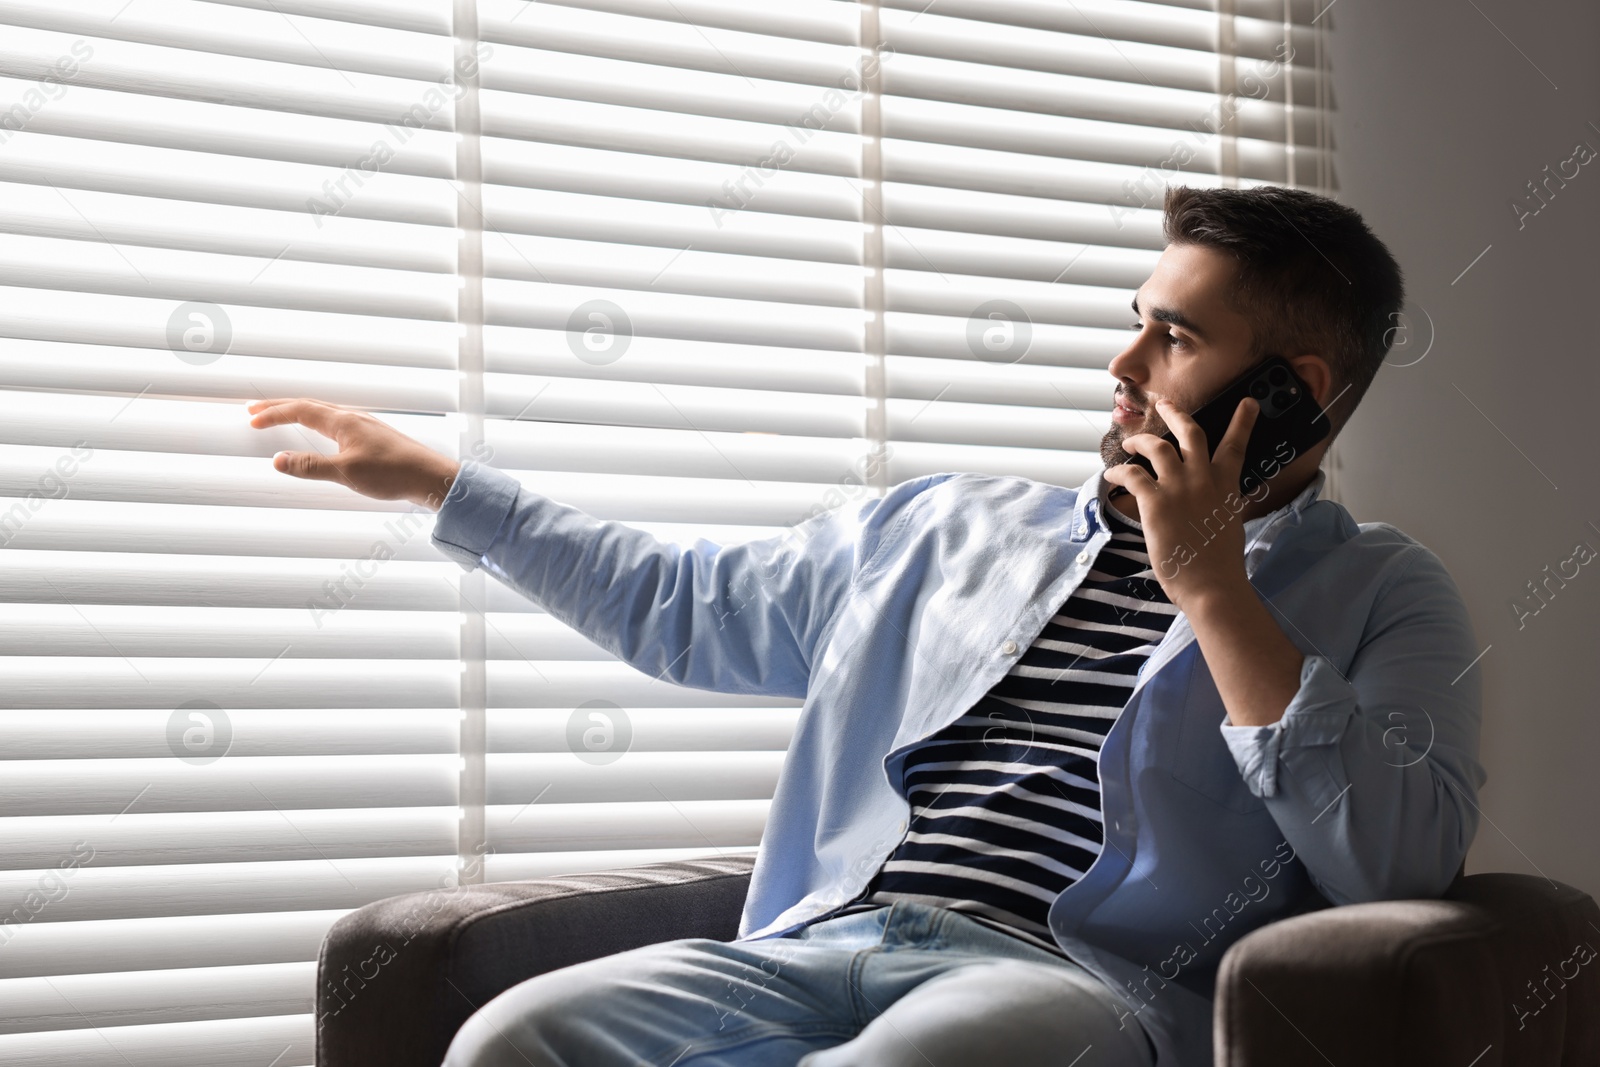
x=1006, y=800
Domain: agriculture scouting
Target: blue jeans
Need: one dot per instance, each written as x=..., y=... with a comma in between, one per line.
x=902, y=986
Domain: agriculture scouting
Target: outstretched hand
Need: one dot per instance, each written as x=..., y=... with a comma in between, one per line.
x=374, y=458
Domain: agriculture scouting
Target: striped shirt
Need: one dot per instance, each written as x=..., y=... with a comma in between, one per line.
x=1005, y=801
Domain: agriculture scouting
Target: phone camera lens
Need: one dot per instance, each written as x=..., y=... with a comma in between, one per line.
x=1259, y=388
x=1278, y=375
x=1282, y=399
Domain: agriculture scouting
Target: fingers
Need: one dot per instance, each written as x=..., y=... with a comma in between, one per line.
x=1191, y=438
x=1161, y=453
x=255, y=407
x=1229, y=458
x=313, y=413
x=307, y=465
x=1233, y=442
x=1132, y=477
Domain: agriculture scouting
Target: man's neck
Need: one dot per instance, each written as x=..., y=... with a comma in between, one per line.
x=1279, y=492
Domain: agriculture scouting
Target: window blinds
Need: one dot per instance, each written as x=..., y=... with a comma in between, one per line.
x=701, y=266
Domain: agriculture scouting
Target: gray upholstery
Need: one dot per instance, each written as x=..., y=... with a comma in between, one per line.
x=1418, y=982
x=1367, y=985
x=397, y=978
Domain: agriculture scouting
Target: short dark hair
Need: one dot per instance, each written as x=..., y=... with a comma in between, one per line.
x=1313, y=278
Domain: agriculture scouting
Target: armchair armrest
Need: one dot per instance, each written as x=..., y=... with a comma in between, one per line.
x=397, y=978
x=1419, y=981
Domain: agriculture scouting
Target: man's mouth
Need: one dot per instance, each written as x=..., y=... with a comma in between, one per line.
x=1123, y=412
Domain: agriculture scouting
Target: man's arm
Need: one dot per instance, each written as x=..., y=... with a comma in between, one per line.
x=1373, y=775
x=740, y=618
x=744, y=618
x=1254, y=664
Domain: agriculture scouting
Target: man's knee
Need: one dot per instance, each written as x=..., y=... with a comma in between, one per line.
x=570, y=1015
x=519, y=1026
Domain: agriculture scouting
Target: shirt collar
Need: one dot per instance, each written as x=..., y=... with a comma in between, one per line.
x=1091, y=498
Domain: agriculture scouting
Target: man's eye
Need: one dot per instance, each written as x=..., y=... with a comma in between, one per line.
x=1137, y=326
x=1176, y=342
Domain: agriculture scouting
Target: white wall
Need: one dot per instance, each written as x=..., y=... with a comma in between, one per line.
x=1440, y=123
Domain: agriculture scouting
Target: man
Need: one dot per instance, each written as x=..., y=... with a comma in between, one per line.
x=1058, y=751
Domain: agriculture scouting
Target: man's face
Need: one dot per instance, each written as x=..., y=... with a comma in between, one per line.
x=1189, y=344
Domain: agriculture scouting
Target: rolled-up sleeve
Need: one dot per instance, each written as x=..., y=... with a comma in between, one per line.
x=740, y=618
x=473, y=513
x=1372, y=773
x=1319, y=714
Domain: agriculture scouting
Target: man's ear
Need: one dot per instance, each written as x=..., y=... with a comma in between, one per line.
x=1317, y=374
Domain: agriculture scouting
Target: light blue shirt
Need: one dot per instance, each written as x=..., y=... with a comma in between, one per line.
x=892, y=617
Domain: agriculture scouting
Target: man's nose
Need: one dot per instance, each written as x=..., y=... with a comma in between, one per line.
x=1128, y=368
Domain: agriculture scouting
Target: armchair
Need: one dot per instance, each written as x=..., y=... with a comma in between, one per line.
x=1488, y=976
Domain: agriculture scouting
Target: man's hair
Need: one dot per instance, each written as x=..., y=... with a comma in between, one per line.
x=1313, y=278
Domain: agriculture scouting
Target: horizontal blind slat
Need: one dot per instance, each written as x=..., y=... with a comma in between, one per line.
x=141, y=733
x=825, y=21
x=370, y=582
x=585, y=124
x=555, y=828
x=1049, y=344
x=567, y=684
x=169, y=477
x=551, y=305
x=63, y=524
x=676, y=40
x=913, y=459
x=421, y=16
x=1174, y=23
x=684, y=729
x=503, y=867
x=673, y=406
x=244, y=33
x=165, y=70
x=777, y=366
x=137, y=838
x=243, y=1042
x=616, y=172
x=313, y=190
x=187, y=227
x=146, y=377
x=112, y=945
x=974, y=382
x=103, y=118
x=179, y=275
x=680, y=91
x=219, y=888
x=232, y=783
x=611, y=220
x=769, y=277
x=72, y=682
x=558, y=778
x=49, y=330
x=147, y=997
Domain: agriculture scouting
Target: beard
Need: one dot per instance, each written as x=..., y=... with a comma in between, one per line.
x=1111, y=450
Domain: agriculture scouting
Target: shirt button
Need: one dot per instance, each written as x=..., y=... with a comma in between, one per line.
x=1008, y=648
x=1084, y=557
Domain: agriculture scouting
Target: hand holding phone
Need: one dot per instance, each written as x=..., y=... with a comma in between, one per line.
x=1289, y=423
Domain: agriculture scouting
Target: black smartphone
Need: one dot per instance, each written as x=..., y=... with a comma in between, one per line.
x=1290, y=422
